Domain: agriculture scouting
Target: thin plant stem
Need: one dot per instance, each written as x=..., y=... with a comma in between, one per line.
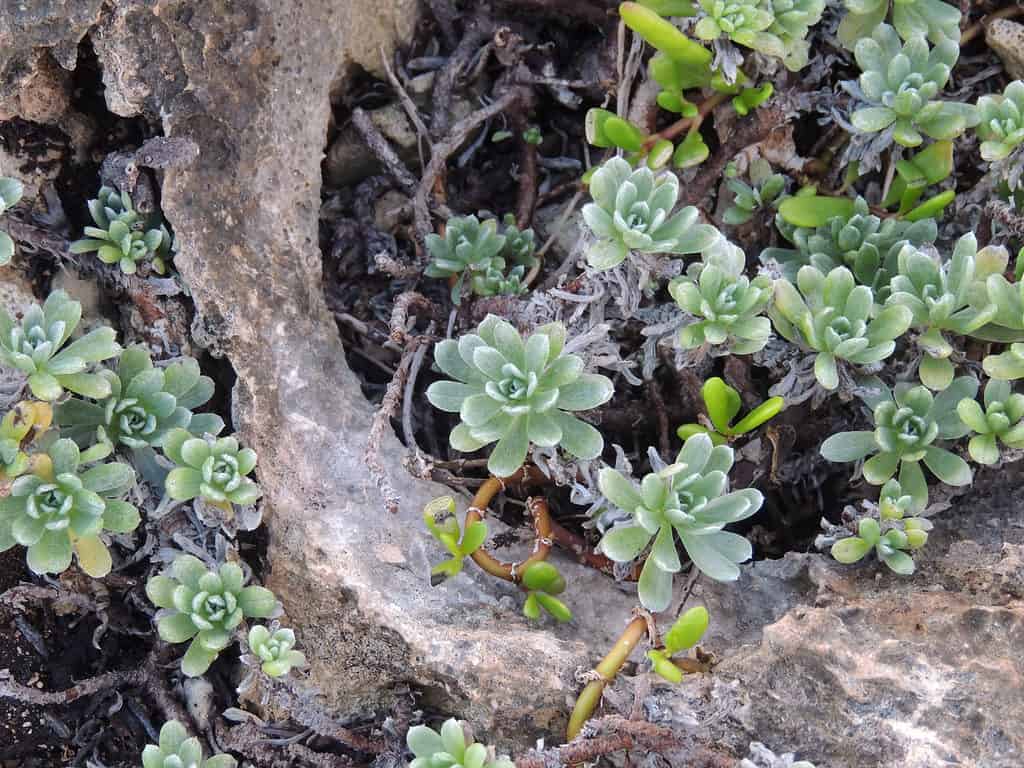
x=605, y=672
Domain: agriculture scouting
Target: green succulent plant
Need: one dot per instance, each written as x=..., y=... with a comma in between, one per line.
x=211, y=468
x=688, y=499
x=832, y=316
x=121, y=236
x=1000, y=421
x=685, y=634
x=177, y=750
x=939, y=296
x=1008, y=365
x=722, y=403
x=145, y=403
x=892, y=541
x=908, y=421
x=475, y=256
x=450, y=749
x=933, y=19
x=768, y=189
x=792, y=21
x=726, y=303
x=59, y=508
x=36, y=347
x=542, y=582
x=24, y=423
x=204, y=607
x=11, y=191
x=1001, y=125
x=275, y=650
x=916, y=173
x=742, y=21
x=632, y=211
x=864, y=243
x=901, y=83
x=439, y=517
x=516, y=393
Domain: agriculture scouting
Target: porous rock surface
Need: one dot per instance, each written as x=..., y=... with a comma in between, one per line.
x=850, y=668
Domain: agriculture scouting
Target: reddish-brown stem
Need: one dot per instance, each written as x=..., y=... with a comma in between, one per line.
x=541, y=527
x=688, y=124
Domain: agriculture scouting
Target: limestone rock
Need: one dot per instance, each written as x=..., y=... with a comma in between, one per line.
x=1006, y=38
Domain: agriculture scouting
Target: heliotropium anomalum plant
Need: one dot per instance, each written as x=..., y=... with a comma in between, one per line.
x=908, y=422
x=999, y=419
x=203, y=607
x=517, y=393
x=632, y=211
x=688, y=499
x=833, y=317
x=901, y=83
x=36, y=347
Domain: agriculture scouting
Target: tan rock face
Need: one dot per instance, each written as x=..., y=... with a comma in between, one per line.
x=1006, y=38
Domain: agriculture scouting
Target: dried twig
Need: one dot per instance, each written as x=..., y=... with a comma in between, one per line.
x=248, y=740
x=406, y=303
x=445, y=149
x=12, y=689
x=476, y=32
x=382, y=150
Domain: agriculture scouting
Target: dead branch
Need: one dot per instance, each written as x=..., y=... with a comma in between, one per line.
x=247, y=739
x=445, y=149
x=12, y=689
x=405, y=304
x=19, y=598
x=476, y=32
x=382, y=150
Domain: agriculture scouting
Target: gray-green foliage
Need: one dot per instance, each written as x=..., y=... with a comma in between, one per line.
x=1000, y=421
x=517, y=392
x=864, y=243
x=36, y=347
x=59, y=507
x=940, y=295
x=892, y=536
x=145, y=403
x=727, y=305
x=212, y=468
x=450, y=749
x=632, y=211
x=688, y=499
x=11, y=191
x=908, y=422
x=933, y=19
x=177, y=750
x=773, y=27
x=766, y=189
x=481, y=260
x=900, y=82
x=833, y=317
x=275, y=649
x=1001, y=126
x=122, y=236
x=204, y=607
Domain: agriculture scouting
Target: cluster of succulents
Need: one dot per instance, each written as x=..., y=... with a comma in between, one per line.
x=176, y=749
x=833, y=317
x=274, y=647
x=450, y=748
x=479, y=260
x=901, y=83
x=773, y=27
x=517, y=392
x=935, y=19
x=726, y=304
x=688, y=499
x=1001, y=122
x=632, y=211
x=859, y=240
x=38, y=346
x=122, y=235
